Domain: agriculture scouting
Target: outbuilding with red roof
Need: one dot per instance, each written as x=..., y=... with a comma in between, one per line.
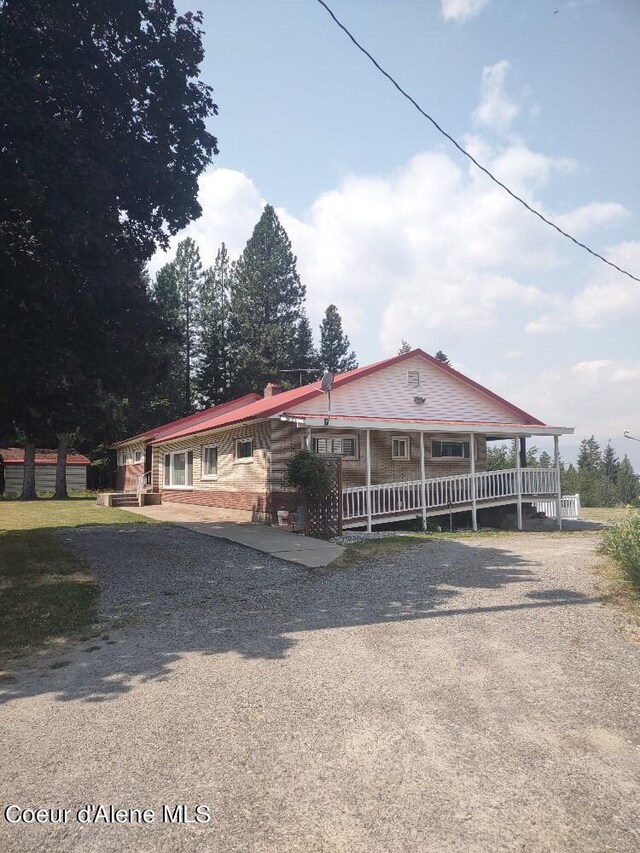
x=45, y=470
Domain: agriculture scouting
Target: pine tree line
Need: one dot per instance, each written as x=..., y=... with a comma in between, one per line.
x=241, y=324
x=599, y=477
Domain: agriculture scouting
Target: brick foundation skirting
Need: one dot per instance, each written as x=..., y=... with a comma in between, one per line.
x=256, y=502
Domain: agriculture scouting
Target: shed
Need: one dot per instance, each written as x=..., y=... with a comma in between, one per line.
x=13, y=458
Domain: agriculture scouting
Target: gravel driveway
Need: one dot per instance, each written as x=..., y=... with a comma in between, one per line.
x=469, y=695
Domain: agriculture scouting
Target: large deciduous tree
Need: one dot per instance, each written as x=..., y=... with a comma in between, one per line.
x=266, y=307
x=102, y=122
x=336, y=354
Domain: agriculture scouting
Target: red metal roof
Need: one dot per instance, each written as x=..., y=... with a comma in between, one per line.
x=265, y=407
x=190, y=420
x=15, y=456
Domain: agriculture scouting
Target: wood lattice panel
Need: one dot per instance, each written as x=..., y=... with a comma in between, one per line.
x=324, y=516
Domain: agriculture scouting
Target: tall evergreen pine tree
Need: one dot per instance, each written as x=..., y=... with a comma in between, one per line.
x=212, y=371
x=266, y=307
x=306, y=356
x=610, y=463
x=188, y=271
x=335, y=353
x=627, y=482
x=176, y=292
x=589, y=456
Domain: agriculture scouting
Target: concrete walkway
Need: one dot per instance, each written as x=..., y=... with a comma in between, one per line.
x=293, y=547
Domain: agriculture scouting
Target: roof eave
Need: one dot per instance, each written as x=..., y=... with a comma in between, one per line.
x=483, y=428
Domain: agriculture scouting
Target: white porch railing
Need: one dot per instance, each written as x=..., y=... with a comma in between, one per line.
x=143, y=481
x=394, y=498
x=569, y=507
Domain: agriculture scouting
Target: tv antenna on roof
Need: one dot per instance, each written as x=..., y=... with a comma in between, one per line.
x=326, y=384
x=299, y=371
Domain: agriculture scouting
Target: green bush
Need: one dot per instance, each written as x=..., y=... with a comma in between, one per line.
x=308, y=474
x=622, y=542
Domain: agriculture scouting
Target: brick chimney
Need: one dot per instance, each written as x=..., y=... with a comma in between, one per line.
x=271, y=389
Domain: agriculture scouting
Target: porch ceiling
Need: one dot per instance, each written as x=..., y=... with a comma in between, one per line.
x=496, y=430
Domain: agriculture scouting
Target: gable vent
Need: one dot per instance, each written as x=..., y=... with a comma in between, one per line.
x=413, y=378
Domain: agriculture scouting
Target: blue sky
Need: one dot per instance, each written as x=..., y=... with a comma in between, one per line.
x=402, y=233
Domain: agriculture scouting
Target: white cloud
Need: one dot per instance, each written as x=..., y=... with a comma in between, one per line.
x=429, y=246
x=231, y=206
x=461, y=10
x=496, y=110
x=592, y=216
x=609, y=296
x=601, y=396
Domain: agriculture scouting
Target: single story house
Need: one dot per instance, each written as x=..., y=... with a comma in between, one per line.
x=45, y=470
x=410, y=431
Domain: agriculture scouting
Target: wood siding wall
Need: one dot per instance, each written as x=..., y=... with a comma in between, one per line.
x=287, y=440
x=45, y=478
x=387, y=394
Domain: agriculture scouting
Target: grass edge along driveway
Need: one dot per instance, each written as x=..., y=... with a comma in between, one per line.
x=47, y=594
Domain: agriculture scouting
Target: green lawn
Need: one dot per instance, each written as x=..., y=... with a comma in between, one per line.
x=605, y=515
x=48, y=594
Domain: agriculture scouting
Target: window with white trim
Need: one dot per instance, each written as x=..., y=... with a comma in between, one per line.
x=445, y=450
x=123, y=457
x=210, y=462
x=413, y=378
x=400, y=447
x=178, y=469
x=244, y=450
x=137, y=456
x=339, y=445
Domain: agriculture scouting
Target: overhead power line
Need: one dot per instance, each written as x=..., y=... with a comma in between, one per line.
x=462, y=150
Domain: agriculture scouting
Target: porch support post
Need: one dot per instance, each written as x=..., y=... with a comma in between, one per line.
x=423, y=486
x=368, y=481
x=523, y=451
x=519, y=478
x=556, y=453
x=472, y=457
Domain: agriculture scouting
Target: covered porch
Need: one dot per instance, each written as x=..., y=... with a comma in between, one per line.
x=376, y=500
x=437, y=496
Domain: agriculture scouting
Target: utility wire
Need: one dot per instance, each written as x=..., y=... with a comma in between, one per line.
x=470, y=156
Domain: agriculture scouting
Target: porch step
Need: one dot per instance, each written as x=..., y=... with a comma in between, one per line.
x=124, y=500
